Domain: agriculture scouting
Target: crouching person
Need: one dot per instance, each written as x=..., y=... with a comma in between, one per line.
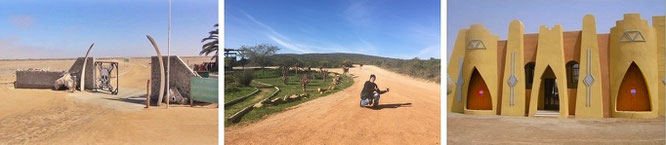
x=371, y=93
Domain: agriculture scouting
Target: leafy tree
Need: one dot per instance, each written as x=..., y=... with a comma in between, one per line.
x=259, y=54
x=347, y=63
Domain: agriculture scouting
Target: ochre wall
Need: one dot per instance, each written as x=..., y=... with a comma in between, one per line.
x=501, y=51
x=605, y=74
x=644, y=54
x=550, y=53
x=514, y=55
x=658, y=24
x=453, y=104
x=573, y=46
x=589, y=66
x=485, y=61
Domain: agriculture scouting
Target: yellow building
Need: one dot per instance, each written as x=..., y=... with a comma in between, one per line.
x=560, y=73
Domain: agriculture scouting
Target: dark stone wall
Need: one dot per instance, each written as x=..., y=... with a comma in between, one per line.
x=36, y=79
x=179, y=78
x=75, y=70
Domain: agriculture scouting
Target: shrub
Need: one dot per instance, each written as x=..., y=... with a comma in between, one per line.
x=246, y=77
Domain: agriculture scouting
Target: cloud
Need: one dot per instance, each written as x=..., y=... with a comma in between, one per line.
x=295, y=47
x=363, y=47
x=269, y=28
x=22, y=21
x=358, y=12
x=430, y=51
x=9, y=45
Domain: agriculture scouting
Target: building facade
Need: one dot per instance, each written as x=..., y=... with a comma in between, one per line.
x=578, y=74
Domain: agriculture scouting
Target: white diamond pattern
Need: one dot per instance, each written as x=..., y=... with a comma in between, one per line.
x=512, y=81
x=589, y=80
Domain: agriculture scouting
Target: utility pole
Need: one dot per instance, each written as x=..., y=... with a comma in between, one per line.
x=168, y=58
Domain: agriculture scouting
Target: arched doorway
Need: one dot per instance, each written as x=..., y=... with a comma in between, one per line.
x=633, y=94
x=478, y=96
x=549, y=99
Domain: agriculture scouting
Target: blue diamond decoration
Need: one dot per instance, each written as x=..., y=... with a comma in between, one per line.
x=589, y=80
x=512, y=81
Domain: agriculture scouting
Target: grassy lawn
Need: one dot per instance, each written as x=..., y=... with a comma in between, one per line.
x=293, y=87
x=240, y=92
x=231, y=110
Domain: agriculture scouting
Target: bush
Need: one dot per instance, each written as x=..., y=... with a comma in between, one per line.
x=231, y=87
x=246, y=77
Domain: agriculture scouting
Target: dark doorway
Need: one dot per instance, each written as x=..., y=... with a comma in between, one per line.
x=551, y=96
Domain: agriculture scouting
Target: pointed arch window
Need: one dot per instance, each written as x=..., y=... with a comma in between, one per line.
x=529, y=75
x=573, y=68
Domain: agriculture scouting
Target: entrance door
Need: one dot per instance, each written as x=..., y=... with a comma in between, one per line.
x=551, y=97
x=633, y=94
x=478, y=96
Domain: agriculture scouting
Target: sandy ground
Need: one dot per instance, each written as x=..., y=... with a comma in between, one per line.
x=42, y=116
x=483, y=129
x=338, y=118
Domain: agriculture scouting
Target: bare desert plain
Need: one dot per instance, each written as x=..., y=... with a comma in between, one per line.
x=45, y=116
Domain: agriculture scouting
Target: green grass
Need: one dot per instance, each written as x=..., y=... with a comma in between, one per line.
x=293, y=87
x=231, y=110
x=241, y=91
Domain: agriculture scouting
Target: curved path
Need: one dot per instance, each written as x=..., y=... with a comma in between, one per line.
x=338, y=119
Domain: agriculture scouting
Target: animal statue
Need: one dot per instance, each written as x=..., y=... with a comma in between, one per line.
x=336, y=80
x=65, y=80
x=324, y=74
x=284, y=75
x=304, y=81
x=345, y=70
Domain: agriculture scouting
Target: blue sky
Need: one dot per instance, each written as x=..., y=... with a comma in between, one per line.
x=496, y=15
x=392, y=28
x=65, y=28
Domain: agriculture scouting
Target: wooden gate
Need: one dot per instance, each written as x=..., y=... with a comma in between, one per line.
x=478, y=96
x=633, y=94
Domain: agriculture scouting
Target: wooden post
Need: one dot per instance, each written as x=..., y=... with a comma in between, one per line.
x=148, y=94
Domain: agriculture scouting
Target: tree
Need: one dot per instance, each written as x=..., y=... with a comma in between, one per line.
x=211, y=44
x=259, y=54
x=347, y=63
x=243, y=58
x=323, y=64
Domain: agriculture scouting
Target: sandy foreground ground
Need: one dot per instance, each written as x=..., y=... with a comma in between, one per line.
x=44, y=116
x=338, y=118
x=483, y=129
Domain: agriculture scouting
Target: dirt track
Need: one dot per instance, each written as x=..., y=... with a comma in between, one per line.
x=338, y=118
x=44, y=116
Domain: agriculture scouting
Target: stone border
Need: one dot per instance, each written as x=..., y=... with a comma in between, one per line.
x=236, y=117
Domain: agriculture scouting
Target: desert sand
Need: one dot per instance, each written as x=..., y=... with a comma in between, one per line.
x=44, y=116
x=338, y=118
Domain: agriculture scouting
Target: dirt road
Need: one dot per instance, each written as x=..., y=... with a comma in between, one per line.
x=338, y=118
x=44, y=116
